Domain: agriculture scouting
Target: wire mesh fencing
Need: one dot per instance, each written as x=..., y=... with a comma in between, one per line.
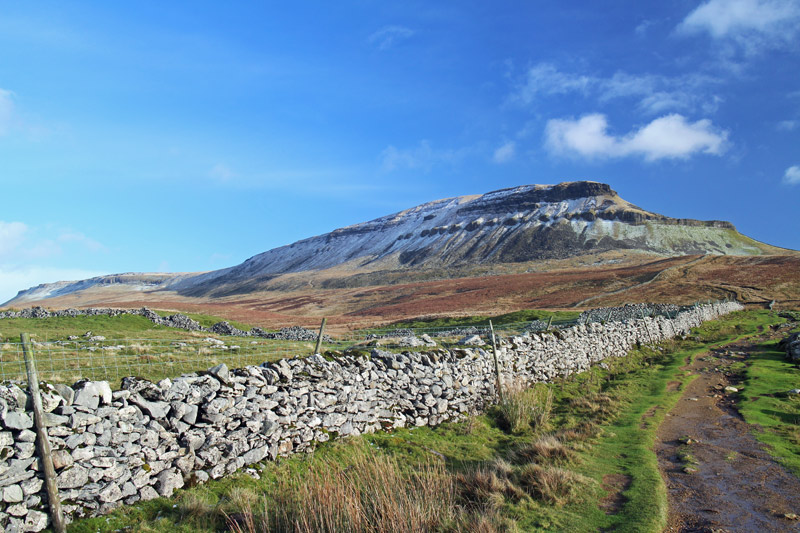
x=153, y=359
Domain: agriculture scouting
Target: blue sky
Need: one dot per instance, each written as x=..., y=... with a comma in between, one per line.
x=187, y=136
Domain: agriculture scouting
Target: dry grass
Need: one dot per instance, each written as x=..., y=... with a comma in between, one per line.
x=551, y=484
x=138, y=348
x=597, y=405
x=374, y=493
x=9, y=352
x=547, y=448
x=522, y=407
x=485, y=489
x=469, y=425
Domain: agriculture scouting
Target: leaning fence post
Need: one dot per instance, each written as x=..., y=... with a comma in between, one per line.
x=549, y=322
x=496, y=364
x=319, y=338
x=54, y=503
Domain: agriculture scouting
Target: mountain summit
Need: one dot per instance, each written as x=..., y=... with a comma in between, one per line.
x=523, y=224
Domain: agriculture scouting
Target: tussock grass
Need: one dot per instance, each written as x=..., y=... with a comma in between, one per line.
x=522, y=407
x=374, y=493
x=552, y=484
x=486, y=487
x=545, y=449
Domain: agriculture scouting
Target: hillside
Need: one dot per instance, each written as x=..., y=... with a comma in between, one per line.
x=572, y=232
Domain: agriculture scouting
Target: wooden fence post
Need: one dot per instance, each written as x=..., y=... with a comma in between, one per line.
x=50, y=479
x=319, y=338
x=549, y=322
x=496, y=364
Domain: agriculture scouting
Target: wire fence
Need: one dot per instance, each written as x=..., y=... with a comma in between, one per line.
x=97, y=358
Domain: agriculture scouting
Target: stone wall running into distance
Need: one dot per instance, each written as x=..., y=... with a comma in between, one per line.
x=147, y=439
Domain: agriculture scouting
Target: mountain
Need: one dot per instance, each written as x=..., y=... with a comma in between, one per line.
x=453, y=237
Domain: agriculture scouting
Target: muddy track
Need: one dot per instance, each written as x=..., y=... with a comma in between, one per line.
x=718, y=476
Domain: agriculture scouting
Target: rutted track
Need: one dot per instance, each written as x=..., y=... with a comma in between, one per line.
x=718, y=476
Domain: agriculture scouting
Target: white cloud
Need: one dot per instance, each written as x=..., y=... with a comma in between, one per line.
x=81, y=239
x=388, y=36
x=6, y=110
x=792, y=175
x=20, y=243
x=643, y=27
x=667, y=137
x=753, y=24
x=421, y=157
x=505, y=153
x=12, y=235
x=787, y=125
x=655, y=93
x=546, y=79
x=221, y=172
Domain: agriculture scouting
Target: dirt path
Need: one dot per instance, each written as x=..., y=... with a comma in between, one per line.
x=718, y=476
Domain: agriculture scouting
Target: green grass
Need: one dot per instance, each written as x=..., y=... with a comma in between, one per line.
x=764, y=401
x=606, y=419
x=116, y=327
x=148, y=350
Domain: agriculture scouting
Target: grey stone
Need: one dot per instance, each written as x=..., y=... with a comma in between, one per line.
x=12, y=494
x=334, y=420
x=73, y=478
x=191, y=414
x=221, y=373
x=86, y=395
x=32, y=486
x=79, y=420
x=17, y=420
x=104, y=390
x=18, y=510
x=128, y=489
x=18, y=471
x=36, y=521
x=24, y=450
x=50, y=401
x=471, y=340
x=26, y=435
x=255, y=455
x=148, y=493
x=110, y=493
x=168, y=481
x=15, y=525
x=155, y=409
x=53, y=420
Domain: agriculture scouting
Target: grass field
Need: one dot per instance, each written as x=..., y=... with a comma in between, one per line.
x=134, y=346
x=765, y=401
x=585, y=465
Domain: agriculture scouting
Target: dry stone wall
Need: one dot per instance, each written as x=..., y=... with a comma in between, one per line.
x=147, y=439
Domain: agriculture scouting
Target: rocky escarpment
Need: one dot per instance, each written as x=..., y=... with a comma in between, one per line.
x=446, y=237
x=526, y=223
x=148, y=439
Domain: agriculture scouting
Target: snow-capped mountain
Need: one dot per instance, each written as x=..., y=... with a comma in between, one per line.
x=520, y=224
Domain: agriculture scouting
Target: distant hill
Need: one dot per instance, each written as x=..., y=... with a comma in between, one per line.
x=497, y=232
